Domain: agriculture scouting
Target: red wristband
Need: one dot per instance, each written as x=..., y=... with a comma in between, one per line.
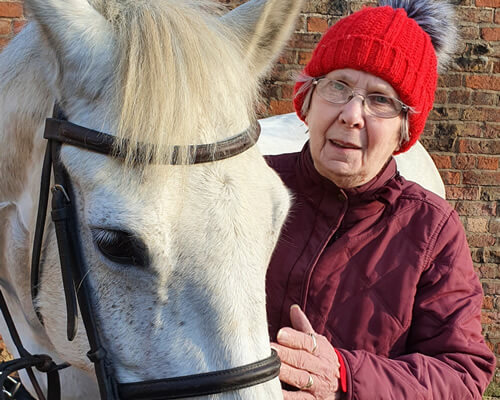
x=343, y=372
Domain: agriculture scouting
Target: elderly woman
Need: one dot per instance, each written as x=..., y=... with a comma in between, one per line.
x=380, y=266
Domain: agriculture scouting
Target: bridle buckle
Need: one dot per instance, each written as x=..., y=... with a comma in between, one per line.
x=14, y=386
x=62, y=190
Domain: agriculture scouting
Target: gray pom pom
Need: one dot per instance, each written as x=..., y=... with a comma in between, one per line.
x=437, y=18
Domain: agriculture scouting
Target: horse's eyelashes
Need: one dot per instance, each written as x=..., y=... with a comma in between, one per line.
x=121, y=247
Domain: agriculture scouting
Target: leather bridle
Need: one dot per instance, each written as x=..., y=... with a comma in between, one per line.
x=59, y=131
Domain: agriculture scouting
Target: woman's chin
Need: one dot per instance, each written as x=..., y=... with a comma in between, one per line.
x=343, y=174
x=343, y=167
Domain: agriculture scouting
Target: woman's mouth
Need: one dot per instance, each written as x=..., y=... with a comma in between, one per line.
x=344, y=145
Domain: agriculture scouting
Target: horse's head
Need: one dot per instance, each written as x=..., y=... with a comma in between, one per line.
x=176, y=255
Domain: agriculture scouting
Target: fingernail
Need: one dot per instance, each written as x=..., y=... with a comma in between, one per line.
x=282, y=335
x=295, y=306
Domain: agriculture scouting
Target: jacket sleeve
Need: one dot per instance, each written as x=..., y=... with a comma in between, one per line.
x=447, y=357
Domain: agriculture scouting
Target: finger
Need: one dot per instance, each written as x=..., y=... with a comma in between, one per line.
x=300, y=379
x=299, y=320
x=297, y=340
x=296, y=358
x=295, y=377
x=300, y=395
x=320, y=365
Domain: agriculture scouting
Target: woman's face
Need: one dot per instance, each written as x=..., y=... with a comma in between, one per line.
x=349, y=146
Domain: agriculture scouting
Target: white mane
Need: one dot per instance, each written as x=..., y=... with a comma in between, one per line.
x=170, y=52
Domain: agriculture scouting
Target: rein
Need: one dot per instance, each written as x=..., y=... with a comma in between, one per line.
x=59, y=131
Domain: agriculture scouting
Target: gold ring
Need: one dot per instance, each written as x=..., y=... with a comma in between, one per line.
x=315, y=343
x=308, y=384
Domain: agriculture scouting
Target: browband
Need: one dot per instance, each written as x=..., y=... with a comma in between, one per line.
x=64, y=131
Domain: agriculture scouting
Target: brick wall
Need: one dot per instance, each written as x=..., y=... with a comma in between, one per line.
x=462, y=133
x=11, y=20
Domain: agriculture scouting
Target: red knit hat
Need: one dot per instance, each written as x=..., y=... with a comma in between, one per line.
x=384, y=42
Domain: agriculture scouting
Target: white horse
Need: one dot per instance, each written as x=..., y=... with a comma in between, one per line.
x=287, y=134
x=161, y=72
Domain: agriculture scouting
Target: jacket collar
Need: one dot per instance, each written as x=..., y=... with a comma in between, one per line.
x=363, y=201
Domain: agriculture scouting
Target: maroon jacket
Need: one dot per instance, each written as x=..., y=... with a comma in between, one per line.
x=384, y=272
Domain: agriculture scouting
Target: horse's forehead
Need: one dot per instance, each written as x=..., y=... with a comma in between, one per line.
x=111, y=190
x=100, y=175
x=114, y=194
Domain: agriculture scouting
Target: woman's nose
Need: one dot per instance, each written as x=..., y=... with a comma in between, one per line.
x=352, y=113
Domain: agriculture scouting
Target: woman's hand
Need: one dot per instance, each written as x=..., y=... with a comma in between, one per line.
x=308, y=361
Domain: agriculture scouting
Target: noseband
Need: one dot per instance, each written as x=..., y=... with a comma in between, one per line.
x=59, y=131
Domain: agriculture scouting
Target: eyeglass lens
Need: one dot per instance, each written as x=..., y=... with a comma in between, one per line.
x=377, y=104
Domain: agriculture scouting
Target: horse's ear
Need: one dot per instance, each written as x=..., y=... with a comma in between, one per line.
x=264, y=27
x=77, y=32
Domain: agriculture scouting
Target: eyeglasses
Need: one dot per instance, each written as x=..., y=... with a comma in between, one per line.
x=379, y=105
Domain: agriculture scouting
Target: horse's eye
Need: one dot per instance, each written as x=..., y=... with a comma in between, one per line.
x=121, y=247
